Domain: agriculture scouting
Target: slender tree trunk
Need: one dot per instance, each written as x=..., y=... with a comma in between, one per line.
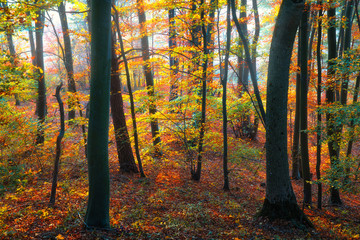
x=97, y=214
x=332, y=130
x=58, y=145
x=318, y=134
x=132, y=105
x=32, y=44
x=304, y=144
x=148, y=76
x=12, y=60
x=224, y=82
x=352, y=125
x=41, y=100
x=68, y=61
x=280, y=200
x=345, y=81
x=123, y=146
x=295, y=152
x=244, y=27
x=255, y=126
x=249, y=63
x=196, y=172
x=173, y=60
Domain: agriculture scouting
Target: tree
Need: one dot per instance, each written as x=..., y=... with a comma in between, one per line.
x=261, y=110
x=304, y=143
x=173, y=61
x=332, y=129
x=68, y=59
x=224, y=83
x=123, y=146
x=132, y=105
x=148, y=76
x=97, y=214
x=196, y=171
x=280, y=200
x=39, y=56
x=318, y=134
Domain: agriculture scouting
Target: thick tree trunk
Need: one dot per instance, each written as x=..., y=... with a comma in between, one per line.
x=123, y=146
x=280, y=200
x=68, y=60
x=41, y=100
x=148, y=76
x=97, y=214
x=332, y=130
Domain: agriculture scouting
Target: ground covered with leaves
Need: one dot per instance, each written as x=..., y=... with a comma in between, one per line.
x=165, y=205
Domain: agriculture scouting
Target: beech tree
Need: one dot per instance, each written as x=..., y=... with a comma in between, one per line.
x=97, y=214
x=123, y=146
x=68, y=59
x=39, y=60
x=148, y=75
x=280, y=200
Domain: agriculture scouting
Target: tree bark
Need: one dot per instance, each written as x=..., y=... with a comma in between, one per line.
x=280, y=200
x=173, y=60
x=332, y=130
x=318, y=133
x=58, y=145
x=132, y=105
x=249, y=64
x=123, y=146
x=148, y=77
x=41, y=100
x=196, y=171
x=68, y=61
x=304, y=143
x=224, y=83
x=97, y=214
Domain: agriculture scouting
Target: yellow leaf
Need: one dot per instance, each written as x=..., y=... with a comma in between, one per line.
x=60, y=237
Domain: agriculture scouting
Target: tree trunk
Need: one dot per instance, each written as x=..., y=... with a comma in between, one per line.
x=148, y=76
x=318, y=134
x=224, y=82
x=68, y=61
x=332, y=130
x=295, y=151
x=345, y=80
x=173, y=60
x=280, y=200
x=97, y=214
x=304, y=144
x=196, y=171
x=125, y=154
x=41, y=100
x=12, y=60
x=132, y=105
x=249, y=64
x=58, y=145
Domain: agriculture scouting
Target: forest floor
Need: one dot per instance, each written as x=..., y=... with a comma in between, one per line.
x=165, y=205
